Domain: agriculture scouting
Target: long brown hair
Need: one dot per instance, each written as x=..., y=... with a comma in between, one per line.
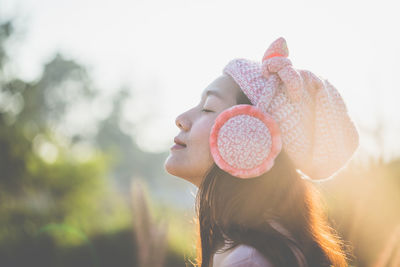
x=240, y=208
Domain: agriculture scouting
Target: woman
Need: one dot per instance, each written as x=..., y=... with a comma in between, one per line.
x=258, y=138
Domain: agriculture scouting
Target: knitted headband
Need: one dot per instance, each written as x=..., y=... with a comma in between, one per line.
x=292, y=109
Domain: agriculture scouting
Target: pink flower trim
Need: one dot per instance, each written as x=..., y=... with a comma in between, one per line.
x=274, y=131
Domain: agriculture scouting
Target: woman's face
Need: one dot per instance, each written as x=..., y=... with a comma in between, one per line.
x=192, y=160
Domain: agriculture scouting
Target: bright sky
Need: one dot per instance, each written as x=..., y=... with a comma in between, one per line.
x=169, y=51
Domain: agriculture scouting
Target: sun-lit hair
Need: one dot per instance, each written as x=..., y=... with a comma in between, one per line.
x=240, y=208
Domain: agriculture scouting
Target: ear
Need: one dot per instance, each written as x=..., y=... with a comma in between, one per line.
x=244, y=141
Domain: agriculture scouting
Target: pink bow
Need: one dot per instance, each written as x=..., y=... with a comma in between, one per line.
x=275, y=61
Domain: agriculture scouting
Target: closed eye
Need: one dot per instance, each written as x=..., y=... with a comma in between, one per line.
x=207, y=110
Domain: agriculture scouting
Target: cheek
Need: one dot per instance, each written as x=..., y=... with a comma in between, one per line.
x=193, y=162
x=201, y=132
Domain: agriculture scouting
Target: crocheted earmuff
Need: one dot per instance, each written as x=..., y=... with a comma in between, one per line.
x=245, y=139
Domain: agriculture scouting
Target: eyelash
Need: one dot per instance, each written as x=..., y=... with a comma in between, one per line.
x=206, y=110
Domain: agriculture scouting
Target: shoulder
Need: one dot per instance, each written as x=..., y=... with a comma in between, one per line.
x=245, y=256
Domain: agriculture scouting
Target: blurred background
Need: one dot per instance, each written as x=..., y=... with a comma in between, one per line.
x=89, y=93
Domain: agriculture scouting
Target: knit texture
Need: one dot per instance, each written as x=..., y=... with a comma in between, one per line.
x=244, y=141
x=316, y=130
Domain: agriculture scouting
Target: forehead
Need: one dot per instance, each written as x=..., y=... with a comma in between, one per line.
x=225, y=86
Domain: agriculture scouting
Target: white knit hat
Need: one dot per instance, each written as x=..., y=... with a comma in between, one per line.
x=292, y=109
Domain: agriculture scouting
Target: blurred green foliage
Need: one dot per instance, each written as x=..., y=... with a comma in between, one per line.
x=59, y=202
x=46, y=189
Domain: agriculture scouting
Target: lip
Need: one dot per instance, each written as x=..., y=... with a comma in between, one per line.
x=179, y=141
x=177, y=146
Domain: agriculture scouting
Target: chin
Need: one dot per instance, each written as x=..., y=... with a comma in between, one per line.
x=172, y=167
x=175, y=169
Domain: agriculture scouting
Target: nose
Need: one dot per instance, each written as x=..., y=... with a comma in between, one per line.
x=182, y=122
